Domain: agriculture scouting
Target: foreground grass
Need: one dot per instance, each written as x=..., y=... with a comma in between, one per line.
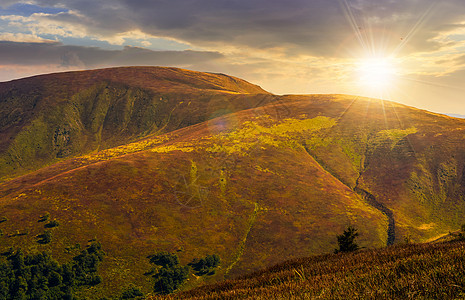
x=413, y=271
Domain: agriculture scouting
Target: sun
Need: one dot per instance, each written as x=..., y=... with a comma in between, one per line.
x=376, y=75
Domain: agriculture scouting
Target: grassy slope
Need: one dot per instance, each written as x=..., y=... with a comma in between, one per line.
x=46, y=118
x=421, y=271
x=412, y=161
x=256, y=186
x=240, y=186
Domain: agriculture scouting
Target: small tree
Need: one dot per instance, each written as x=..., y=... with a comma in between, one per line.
x=346, y=240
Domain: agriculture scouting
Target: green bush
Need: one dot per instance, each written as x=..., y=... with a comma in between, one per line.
x=38, y=276
x=45, y=237
x=164, y=259
x=205, y=265
x=132, y=292
x=169, y=275
x=87, y=263
x=167, y=280
x=44, y=217
x=51, y=224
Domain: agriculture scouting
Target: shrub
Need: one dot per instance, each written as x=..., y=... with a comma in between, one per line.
x=164, y=259
x=170, y=275
x=86, y=263
x=51, y=224
x=205, y=265
x=44, y=217
x=45, y=237
x=132, y=292
x=167, y=280
x=21, y=233
x=38, y=276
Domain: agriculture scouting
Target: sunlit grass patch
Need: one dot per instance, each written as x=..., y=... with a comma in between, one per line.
x=411, y=271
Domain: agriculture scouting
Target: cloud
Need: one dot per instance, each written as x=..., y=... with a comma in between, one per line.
x=293, y=46
x=24, y=38
x=302, y=27
x=28, y=54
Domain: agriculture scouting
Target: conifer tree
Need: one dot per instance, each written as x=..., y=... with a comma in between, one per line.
x=346, y=240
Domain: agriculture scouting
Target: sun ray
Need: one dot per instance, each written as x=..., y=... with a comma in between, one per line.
x=377, y=70
x=421, y=20
x=347, y=108
x=431, y=83
x=353, y=23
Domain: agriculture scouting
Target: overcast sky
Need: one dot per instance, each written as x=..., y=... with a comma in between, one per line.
x=285, y=46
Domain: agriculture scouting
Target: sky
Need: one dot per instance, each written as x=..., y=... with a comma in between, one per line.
x=408, y=51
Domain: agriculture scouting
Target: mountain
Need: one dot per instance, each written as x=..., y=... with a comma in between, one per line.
x=49, y=117
x=210, y=164
x=456, y=116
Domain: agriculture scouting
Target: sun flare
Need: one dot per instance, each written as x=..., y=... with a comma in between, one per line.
x=376, y=75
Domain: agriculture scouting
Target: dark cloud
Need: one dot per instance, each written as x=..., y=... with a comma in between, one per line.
x=27, y=54
x=317, y=27
x=7, y=3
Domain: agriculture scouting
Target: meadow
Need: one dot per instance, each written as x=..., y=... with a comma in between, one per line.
x=404, y=271
x=148, y=160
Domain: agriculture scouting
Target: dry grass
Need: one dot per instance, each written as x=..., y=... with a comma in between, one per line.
x=414, y=271
x=263, y=183
x=44, y=119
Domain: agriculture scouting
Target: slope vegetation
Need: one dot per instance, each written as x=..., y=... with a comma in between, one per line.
x=46, y=118
x=273, y=178
x=423, y=271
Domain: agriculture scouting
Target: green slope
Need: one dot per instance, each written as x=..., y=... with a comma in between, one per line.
x=46, y=118
x=276, y=178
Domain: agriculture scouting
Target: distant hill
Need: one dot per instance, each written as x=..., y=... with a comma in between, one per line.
x=252, y=177
x=456, y=116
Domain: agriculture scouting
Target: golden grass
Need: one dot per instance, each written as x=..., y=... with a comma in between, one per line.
x=412, y=271
x=196, y=189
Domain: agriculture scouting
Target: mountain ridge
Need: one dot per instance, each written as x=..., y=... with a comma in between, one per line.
x=177, y=76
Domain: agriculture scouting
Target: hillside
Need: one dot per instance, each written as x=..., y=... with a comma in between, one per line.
x=46, y=118
x=273, y=178
x=423, y=271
